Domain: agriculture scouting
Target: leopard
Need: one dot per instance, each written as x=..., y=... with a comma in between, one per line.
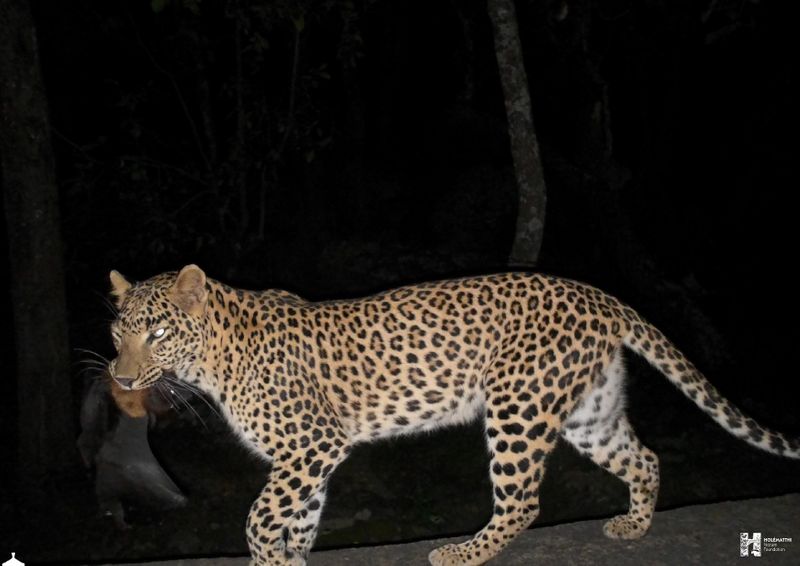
x=535, y=357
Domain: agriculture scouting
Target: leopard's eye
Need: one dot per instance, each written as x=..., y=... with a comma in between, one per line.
x=159, y=332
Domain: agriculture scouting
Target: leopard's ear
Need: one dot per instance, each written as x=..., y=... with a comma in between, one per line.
x=189, y=290
x=119, y=286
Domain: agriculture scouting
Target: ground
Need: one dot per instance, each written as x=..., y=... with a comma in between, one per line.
x=702, y=534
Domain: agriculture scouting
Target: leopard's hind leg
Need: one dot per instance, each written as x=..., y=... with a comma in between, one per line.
x=598, y=428
x=519, y=439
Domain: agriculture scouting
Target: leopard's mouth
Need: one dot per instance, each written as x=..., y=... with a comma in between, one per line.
x=161, y=375
x=125, y=383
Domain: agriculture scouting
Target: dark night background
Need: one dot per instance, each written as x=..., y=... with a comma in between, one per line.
x=336, y=148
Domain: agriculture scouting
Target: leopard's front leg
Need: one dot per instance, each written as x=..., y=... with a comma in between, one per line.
x=283, y=519
x=269, y=524
x=270, y=518
x=303, y=529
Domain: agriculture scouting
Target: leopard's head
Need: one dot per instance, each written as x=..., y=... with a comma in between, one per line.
x=159, y=331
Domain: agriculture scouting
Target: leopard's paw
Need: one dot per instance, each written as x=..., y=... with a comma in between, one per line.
x=625, y=527
x=287, y=561
x=446, y=555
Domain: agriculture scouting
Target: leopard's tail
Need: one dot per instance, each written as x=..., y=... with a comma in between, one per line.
x=647, y=341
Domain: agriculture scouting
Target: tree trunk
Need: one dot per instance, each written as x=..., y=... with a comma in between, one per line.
x=522, y=136
x=46, y=439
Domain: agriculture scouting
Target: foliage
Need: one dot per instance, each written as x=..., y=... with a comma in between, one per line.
x=232, y=103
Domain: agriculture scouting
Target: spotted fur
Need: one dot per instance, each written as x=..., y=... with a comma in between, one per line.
x=536, y=357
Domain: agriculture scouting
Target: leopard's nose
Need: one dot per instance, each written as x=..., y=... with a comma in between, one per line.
x=124, y=382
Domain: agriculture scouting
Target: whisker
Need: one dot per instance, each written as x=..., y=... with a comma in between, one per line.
x=187, y=387
x=89, y=368
x=188, y=405
x=196, y=391
x=91, y=363
x=166, y=396
x=93, y=372
x=109, y=304
x=93, y=353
